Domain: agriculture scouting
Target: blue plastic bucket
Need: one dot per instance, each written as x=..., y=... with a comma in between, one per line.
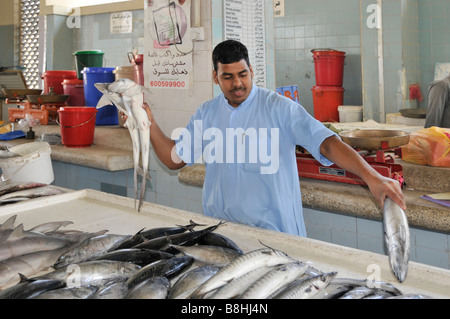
x=106, y=115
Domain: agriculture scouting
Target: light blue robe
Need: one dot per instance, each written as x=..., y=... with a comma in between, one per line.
x=249, y=155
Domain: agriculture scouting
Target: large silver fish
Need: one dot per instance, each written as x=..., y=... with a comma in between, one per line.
x=396, y=235
x=240, y=266
x=128, y=97
x=27, y=265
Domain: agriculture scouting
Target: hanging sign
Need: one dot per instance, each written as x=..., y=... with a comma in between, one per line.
x=121, y=22
x=168, y=44
x=244, y=21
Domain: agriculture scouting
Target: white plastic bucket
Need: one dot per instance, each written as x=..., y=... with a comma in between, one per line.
x=32, y=165
x=350, y=113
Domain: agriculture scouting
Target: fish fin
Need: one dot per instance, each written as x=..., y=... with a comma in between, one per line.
x=102, y=87
x=17, y=233
x=23, y=278
x=104, y=101
x=9, y=224
x=140, y=171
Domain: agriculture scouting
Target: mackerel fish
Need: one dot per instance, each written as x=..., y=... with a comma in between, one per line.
x=396, y=235
x=241, y=265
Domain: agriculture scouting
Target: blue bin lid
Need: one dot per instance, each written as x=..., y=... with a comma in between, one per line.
x=97, y=70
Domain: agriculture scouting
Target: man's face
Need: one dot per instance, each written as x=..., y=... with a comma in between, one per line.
x=235, y=81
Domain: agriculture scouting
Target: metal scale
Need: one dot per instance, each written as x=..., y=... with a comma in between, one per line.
x=378, y=147
x=42, y=107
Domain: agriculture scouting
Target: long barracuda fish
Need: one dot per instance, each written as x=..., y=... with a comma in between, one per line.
x=396, y=235
x=128, y=97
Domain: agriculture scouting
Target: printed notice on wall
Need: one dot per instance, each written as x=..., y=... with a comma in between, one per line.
x=167, y=44
x=121, y=22
x=278, y=8
x=244, y=21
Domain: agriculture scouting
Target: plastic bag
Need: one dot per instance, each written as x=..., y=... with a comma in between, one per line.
x=430, y=146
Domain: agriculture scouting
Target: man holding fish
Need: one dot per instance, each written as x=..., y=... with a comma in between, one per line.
x=247, y=137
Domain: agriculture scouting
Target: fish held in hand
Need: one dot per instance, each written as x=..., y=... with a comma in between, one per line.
x=128, y=97
x=396, y=235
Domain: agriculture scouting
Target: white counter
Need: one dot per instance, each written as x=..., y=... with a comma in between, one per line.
x=93, y=210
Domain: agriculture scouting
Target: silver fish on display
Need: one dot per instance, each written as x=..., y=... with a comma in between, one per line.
x=238, y=285
x=30, y=244
x=276, y=278
x=112, y=290
x=90, y=248
x=242, y=265
x=306, y=288
x=28, y=265
x=151, y=288
x=9, y=187
x=191, y=280
x=396, y=235
x=82, y=292
x=29, y=194
x=164, y=267
x=128, y=97
x=30, y=288
x=141, y=257
x=96, y=273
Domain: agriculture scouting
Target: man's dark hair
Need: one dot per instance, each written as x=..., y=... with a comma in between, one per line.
x=229, y=51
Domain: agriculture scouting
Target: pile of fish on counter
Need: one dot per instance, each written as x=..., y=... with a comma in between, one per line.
x=191, y=261
x=16, y=192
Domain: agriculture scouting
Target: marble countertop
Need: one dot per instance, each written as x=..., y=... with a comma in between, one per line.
x=112, y=151
x=356, y=200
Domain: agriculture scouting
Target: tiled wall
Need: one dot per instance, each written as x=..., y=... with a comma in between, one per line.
x=414, y=40
x=311, y=25
x=431, y=248
x=164, y=189
x=434, y=27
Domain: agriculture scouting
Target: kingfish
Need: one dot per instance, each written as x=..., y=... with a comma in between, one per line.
x=128, y=97
x=396, y=235
x=82, y=292
x=276, y=278
x=241, y=265
x=307, y=287
x=238, y=285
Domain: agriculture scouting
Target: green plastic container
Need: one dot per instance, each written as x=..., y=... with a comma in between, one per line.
x=93, y=58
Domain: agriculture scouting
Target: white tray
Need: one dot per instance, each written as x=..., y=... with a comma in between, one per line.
x=92, y=210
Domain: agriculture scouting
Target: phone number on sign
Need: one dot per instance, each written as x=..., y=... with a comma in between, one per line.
x=168, y=84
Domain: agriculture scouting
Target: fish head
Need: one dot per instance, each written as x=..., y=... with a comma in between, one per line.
x=121, y=85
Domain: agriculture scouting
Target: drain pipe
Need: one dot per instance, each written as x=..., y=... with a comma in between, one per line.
x=381, y=62
x=197, y=13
